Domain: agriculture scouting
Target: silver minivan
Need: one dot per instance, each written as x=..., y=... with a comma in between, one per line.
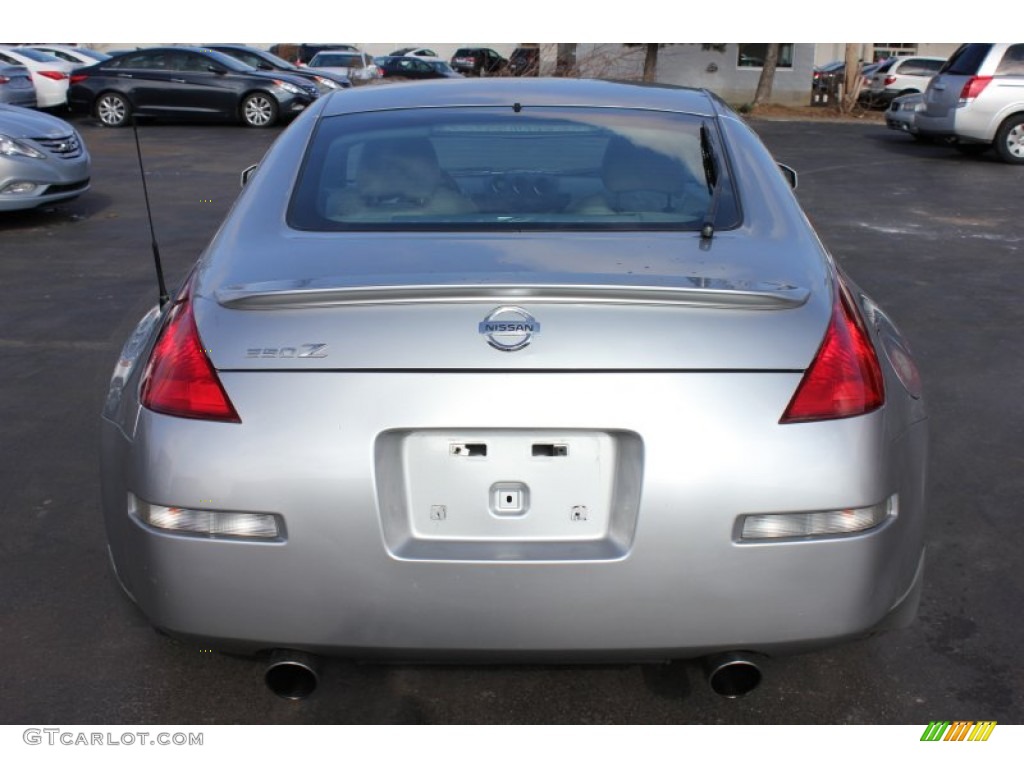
x=977, y=100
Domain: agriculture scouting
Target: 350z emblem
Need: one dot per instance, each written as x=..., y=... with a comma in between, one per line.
x=284, y=353
x=509, y=328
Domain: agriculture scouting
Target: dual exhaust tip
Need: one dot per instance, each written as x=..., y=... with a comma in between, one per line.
x=294, y=675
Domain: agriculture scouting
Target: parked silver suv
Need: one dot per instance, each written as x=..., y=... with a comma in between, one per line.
x=903, y=75
x=977, y=100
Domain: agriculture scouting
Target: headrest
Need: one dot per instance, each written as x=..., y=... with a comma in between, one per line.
x=628, y=167
x=398, y=167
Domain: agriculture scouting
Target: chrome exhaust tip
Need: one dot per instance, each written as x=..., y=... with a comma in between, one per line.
x=732, y=675
x=292, y=675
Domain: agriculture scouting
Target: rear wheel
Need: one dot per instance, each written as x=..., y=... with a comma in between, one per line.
x=1010, y=140
x=259, y=110
x=113, y=109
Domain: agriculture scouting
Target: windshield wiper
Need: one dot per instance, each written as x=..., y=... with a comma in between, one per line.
x=711, y=178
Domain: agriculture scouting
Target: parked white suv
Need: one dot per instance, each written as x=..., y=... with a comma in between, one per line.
x=901, y=76
x=977, y=100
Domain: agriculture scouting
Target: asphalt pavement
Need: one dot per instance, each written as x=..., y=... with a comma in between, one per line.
x=935, y=237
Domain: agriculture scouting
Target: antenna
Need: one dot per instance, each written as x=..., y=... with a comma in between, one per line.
x=161, y=286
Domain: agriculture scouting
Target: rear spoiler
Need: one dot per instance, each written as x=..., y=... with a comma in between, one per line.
x=695, y=291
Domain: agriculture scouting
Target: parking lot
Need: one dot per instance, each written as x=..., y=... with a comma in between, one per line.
x=935, y=237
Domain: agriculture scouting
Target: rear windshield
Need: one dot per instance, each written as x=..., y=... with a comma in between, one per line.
x=490, y=168
x=337, y=60
x=967, y=59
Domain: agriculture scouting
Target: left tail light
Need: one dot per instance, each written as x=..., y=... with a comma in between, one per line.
x=845, y=378
x=54, y=75
x=179, y=379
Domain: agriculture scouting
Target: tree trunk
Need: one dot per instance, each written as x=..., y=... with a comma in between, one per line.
x=650, y=61
x=851, y=79
x=565, y=60
x=767, y=79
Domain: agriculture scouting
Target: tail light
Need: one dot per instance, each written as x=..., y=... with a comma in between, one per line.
x=180, y=379
x=890, y=79
x=4, y=80
x=78, y=78
x=972, y=89
x=845, y=378
x=54, y=75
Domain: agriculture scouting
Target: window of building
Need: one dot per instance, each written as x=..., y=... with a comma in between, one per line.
x=753, y=55
x=885, y=51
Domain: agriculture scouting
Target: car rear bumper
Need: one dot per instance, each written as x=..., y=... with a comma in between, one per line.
x=365, y=568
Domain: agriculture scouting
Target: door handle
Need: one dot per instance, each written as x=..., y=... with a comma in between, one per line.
x=177, y=80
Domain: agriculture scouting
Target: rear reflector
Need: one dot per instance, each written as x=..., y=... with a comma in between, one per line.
x=179, y=379
x=206, y=522
x=973, y=88
x=844, y=378
x=799, y=525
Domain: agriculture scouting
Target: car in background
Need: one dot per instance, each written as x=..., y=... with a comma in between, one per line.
x=42, y=159
x=902, y=114
x=830, y=77
x=50, y=75
x=16, y=86
x=900, y=76
x=357, y=66
x=78, y=56
x=524, y=62
x=478, y=62
x=301, y=53
x=715, y=441
x=822, y=75
x=417, y=52
x=976, y=101
x=184, y=82
x=414, y=68
x=265, y=61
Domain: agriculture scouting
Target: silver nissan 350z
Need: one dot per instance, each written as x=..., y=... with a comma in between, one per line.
x=517, y=370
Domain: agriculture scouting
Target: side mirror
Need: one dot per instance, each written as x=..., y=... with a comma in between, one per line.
x=789, y=174
x=247, y=174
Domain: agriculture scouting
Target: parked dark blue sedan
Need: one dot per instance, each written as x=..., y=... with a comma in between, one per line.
x=184, y=82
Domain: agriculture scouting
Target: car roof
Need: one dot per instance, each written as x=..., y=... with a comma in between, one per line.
x=536, y=92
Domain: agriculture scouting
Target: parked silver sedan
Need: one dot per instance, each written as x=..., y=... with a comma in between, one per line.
x=16, y=86
x=902, y=113
x=517, y=369
x=42, y=159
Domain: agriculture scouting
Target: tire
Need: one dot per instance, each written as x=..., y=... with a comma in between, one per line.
x=259, y=110
x=113, y=110
x=1010, y=140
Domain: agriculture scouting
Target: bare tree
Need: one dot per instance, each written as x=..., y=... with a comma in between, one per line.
x=767, y=79
x=851, y=79
x=650, y=61
x=565, y=59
